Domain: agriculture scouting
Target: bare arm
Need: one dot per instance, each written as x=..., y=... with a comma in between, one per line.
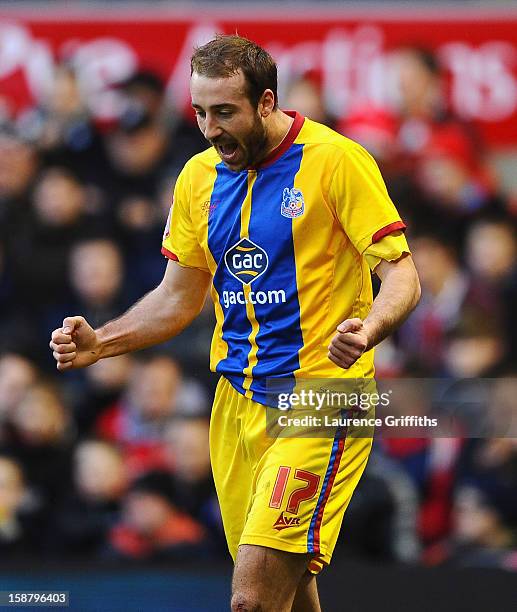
x=399, y=294
x=158, y=316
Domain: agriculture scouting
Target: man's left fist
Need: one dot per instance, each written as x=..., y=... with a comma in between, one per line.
x=349, y=343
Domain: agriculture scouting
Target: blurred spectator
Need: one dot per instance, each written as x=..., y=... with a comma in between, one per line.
x=41, y=440
x=17, y=374
x=453, y=180
x=492, y=249
x=101, y=385
x=18, y=526
x=376, y=130
x=91, y=509
x=438, y=173
x=188, y=457
x=369, y=521
x=96, y=277
x=429, y=462
x=97, y=291
x=141, y=223
x=152, y=528
x=18, y=167
x=421, y=104
x=149, y=142
x=491, y=464
x=397, y=533
x=475, y=347
x=447, y=295
x=192, y=347
x=64, y=130
x=156, y=393
x=40, y=254
x=491, y=255
x=305, y=95
x=481, y=536
x=146, y=89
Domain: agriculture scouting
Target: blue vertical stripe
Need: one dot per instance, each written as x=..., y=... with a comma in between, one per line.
x=224, y=226
x=279, y=338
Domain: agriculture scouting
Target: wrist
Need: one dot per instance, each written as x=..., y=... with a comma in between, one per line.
x=369, y=329
x=101, y=344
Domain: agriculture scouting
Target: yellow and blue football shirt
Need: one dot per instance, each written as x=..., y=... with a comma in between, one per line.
x=289, y=244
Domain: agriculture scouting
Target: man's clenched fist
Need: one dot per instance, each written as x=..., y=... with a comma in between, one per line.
x=349, y=343
x=75, y=344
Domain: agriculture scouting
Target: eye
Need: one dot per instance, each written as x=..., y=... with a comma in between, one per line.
x=200, y=113
x=225, y=113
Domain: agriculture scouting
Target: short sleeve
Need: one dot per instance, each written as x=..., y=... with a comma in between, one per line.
x=390, y=248
x=180, y=242
x=361, y=201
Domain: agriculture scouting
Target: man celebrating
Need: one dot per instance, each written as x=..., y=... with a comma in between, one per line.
x=283, y=219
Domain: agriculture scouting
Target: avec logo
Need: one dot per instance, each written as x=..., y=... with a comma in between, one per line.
x=246, y=261
x=283, y=522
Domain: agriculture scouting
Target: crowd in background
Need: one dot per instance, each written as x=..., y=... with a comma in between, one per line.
x=112, y=463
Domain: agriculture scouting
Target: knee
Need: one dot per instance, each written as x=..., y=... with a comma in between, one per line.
x=245, y=602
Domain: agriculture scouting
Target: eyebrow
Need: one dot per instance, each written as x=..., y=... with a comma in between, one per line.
x=216, y=106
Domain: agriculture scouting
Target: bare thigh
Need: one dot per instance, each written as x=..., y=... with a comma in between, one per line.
x=266, y=579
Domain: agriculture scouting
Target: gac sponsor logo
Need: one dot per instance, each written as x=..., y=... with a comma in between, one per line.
x=273, y=296
x=246, y=261
x=283, y=522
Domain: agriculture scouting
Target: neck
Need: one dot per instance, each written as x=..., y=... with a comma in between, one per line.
x=278, y=126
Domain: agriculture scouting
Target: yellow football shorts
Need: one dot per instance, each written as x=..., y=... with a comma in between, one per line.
x=285, y=493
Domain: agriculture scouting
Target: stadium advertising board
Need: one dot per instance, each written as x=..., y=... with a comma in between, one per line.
x=349, y=52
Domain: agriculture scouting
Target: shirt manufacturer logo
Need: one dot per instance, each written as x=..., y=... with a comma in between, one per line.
x=284, y=522
x=208, y=207
x=292, y=203
x=246, y=261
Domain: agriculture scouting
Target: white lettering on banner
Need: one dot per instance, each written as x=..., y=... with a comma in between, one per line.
x=353, y=68
x=352, y=64
x=483, y=86
x=356, y=69
x=178, y=87
x=355, y=65
x=19, y=51
x=100, y=64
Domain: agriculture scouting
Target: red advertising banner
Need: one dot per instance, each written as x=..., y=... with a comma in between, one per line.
x=349, y=51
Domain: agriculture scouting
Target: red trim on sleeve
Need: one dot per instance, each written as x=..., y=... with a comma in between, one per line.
x=388, y=229
x=169, y=254
x=290, y=137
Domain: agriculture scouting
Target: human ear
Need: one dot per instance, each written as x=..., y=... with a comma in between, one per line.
x=266, y=103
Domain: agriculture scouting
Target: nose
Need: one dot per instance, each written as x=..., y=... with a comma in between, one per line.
x=211, y=130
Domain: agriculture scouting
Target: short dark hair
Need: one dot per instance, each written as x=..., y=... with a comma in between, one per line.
x=225, y=55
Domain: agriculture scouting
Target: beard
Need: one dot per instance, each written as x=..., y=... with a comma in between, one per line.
x=250, y=149
x=255, y=144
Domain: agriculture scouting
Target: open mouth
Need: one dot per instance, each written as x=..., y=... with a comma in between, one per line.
x=227, y=151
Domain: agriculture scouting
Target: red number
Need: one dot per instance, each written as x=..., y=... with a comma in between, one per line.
x=298, y=495
x=279, y=488
x=303, y=493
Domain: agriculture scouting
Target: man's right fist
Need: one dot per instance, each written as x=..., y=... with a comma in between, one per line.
x=75, y=345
